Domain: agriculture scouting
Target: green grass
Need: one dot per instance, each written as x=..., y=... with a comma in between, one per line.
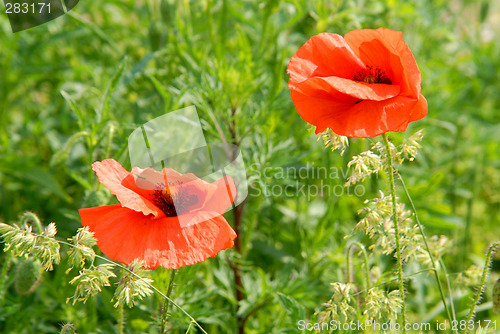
x=72, y=90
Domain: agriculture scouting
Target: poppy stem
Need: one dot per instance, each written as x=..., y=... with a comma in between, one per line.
x=166, y=304
x=451, y=316
x=120, y=319
x=487, y=265
x=395, y=220
x=121, y=312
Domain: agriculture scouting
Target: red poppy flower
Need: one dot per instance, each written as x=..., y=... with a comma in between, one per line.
x=164, y=218
x=362, y=85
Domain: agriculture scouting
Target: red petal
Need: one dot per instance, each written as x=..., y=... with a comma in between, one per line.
x=124, y=235
x=323, y=55
x=386, y=48
x=223, y=197
x=111, y=174
x=334, y=88
x=320, y=112
x=369, y=118
x=418, y=112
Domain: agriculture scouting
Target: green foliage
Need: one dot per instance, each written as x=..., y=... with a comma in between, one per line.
x=72, y=90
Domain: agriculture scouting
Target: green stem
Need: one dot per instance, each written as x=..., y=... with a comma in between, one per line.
x=365, y=259
x=119, y=265
x=450, y=291
x=3, y=275
x=392, y=280
x=121, y=311
x=487, y=263
x=401, y=282
x=451, y=315
x=166, y=304
x=30, y=217
x=121, y=318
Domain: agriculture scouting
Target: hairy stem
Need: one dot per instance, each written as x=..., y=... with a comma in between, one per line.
x=121, y=318
x=121, y=266
x=489, y=255
x=401, y=282
x=451, y=315
x=166, y=304
x=238, y=211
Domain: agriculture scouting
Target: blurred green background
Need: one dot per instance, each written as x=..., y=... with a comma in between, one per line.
x=72, y=90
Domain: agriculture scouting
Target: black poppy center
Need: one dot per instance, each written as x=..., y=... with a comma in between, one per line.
x=372, y=75
x=174, y=204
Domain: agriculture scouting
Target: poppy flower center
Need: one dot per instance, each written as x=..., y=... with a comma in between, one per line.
x=372, y=75
x=174, y=203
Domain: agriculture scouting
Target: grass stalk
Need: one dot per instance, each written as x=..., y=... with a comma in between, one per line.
x=451, y=315
x=365, y=259
x=401, y=282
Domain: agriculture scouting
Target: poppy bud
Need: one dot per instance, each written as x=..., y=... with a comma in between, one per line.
x=496, y=296
x=27, y=276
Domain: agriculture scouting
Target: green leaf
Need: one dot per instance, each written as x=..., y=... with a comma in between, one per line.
x=291, y=306
x=113, y=84
x=45, y=180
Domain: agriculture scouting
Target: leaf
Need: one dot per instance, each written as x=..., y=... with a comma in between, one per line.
x=113, y=84
x=76, y=109
x=291, y=306
x=45, y=180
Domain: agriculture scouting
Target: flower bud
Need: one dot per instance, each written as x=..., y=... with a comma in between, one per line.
x=27, y=276
x=496, y=296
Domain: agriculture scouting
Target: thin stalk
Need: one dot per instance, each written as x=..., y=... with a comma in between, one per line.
x=401, y=282
x=365, y=259
x=450, y=291
x=30, y=217
x=121, y=317
x=238, y=211
x=451, y=316
x=486, y=268
x=119, y=265
x=166, y=304
x=3, y=275
x=392, y=280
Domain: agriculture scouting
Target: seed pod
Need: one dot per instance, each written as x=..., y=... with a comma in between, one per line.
x=27, y=276
x=496, y=296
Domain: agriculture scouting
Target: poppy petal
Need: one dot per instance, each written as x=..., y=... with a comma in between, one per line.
x=418, y=112
x=368, y=118
x=223, y=197
x=420, y=109
x=125, y=235
x=333, y=86
x=316, y=110
x=386, y=49
x=111, y=174
x=321, y=56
